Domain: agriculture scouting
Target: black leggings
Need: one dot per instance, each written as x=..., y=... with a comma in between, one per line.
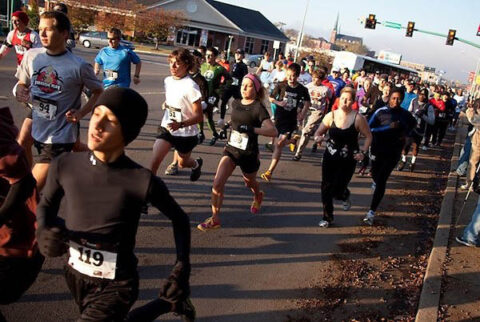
x=149, y=312
x=442, y=129
x=211, y=124
x=414, y=141
x=227, y=94
x=336, y=175
x=382, y=167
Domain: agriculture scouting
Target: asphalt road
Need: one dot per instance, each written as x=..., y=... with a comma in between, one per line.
x=252, y=269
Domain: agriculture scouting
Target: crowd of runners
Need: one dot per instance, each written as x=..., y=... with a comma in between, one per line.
x=372, y=120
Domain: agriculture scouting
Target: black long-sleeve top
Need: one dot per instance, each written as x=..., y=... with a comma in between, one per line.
x=103, y=204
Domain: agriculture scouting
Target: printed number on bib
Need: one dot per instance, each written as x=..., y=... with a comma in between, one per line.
x=111, y=74
x=212, y=99
x=92, y=262
x=238, y=140
x=45, y=108
x=175, y=114
x=235, y=81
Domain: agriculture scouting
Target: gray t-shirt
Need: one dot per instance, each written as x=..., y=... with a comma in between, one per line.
x=56, y=84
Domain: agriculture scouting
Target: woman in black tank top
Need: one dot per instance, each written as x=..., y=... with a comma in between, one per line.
x=341, y=153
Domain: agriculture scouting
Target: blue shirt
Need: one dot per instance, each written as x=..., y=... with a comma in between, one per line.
x=408, y=98
x=116, y=65
x=337, y=83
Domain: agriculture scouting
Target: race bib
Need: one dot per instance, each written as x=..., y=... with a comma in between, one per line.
x=111, y=74
x=235, y=81
x=92, y=262
x=175, y=114
x=44, y=108
x=442, y=115
x=211, y=100
x=238, y=140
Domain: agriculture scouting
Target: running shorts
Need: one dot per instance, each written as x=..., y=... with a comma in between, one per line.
x=47, y=152
x=248, y=163
x=183, y=144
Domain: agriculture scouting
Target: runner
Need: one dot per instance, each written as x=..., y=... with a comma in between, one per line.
x=239, y=70
x=342, y=152
x=409, y=95
x=213, y=73
x=20, y=260
x=71, y=36
x=289, y=97
x=390, y=126
x=424, y=114
x=116, y=61
x=304, y=78
x=52, y=79
x=22, y=39
x=320, y=95
x=336, y=80
x=249, y=119
x=172, y=168
x=183, y=110
x=105, y=190
x=265, y=68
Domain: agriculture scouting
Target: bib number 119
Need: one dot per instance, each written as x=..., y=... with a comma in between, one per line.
x=90, y=257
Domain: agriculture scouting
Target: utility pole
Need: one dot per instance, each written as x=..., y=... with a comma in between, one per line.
x=300, y=35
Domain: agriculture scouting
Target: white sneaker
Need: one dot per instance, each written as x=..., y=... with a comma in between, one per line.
x=220, y=123
x=216, y=110
x=369, y=218
x=347, y=204
x=424, y=148
x=462, y=169
x=324, y=223
x=465, y=186
x=374, y=186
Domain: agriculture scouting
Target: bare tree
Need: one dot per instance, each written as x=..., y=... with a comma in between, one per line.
x=159, y=23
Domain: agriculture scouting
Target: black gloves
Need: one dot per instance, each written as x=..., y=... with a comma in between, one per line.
x=245, y=128
x=222, y=135
x=52, y=241
x=176, y=287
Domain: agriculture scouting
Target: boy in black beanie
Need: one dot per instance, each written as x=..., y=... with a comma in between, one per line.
x=104, y=192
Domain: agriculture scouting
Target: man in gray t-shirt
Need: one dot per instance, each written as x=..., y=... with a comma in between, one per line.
x=51, y=79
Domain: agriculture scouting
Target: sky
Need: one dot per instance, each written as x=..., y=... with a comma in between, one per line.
x=432, y=15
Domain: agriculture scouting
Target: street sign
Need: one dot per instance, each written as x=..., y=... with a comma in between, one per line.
x=276, y=44
x=394, y=25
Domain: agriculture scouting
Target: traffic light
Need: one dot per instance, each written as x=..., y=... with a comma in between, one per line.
x=371, y=22
x=410, y=29
x=451, y=37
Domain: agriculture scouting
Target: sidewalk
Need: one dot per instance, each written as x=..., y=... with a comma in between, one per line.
x=451, y=290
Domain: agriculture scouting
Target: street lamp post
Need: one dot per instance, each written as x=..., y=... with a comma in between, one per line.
x=300, y=35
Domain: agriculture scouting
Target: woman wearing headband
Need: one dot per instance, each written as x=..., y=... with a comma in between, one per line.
x=248, y=120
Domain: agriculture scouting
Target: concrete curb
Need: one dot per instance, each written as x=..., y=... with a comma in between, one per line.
x=430, y=295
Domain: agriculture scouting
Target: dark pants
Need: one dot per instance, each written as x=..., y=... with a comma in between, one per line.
x=336, y=175
x=413, y=141
x=149, y=312
x=382, y=167
x=227, y=94
x=431, y=134
x=101, y=299
x=442, y=129
x=211, y=124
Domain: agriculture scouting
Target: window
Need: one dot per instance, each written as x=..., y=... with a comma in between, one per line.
x=187, y=37
x=249, y=45
x=264, y=47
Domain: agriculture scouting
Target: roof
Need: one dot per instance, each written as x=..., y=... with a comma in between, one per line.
x=250, y=21
x=349, y=38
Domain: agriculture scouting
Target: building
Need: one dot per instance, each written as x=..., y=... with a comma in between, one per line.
x=341, y=40
x=213, y=23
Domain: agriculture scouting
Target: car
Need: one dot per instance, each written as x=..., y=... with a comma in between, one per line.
x=253, y=60
x=99, y=39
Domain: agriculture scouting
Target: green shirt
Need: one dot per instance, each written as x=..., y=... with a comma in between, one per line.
x=213, y=75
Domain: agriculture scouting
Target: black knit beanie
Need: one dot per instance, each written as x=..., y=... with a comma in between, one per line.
x=129, y=107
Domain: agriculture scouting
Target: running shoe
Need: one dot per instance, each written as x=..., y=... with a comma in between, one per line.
x=213, y=141
x=186, y=310
x=401, y=165
x=465, y=186
x=267, y=176
x=201, y=137
x=221, y=123
x=257, y=203
x=196, y=172
x=296, y=157
x=314, y=147
x=347, y=204
x=324, y=223
x=464, y=242
x=172, y=169
x=368, y=220
x=269, y=147
x=411, y=167
x=424, y=148
x=208, y=224
x=293, y=146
